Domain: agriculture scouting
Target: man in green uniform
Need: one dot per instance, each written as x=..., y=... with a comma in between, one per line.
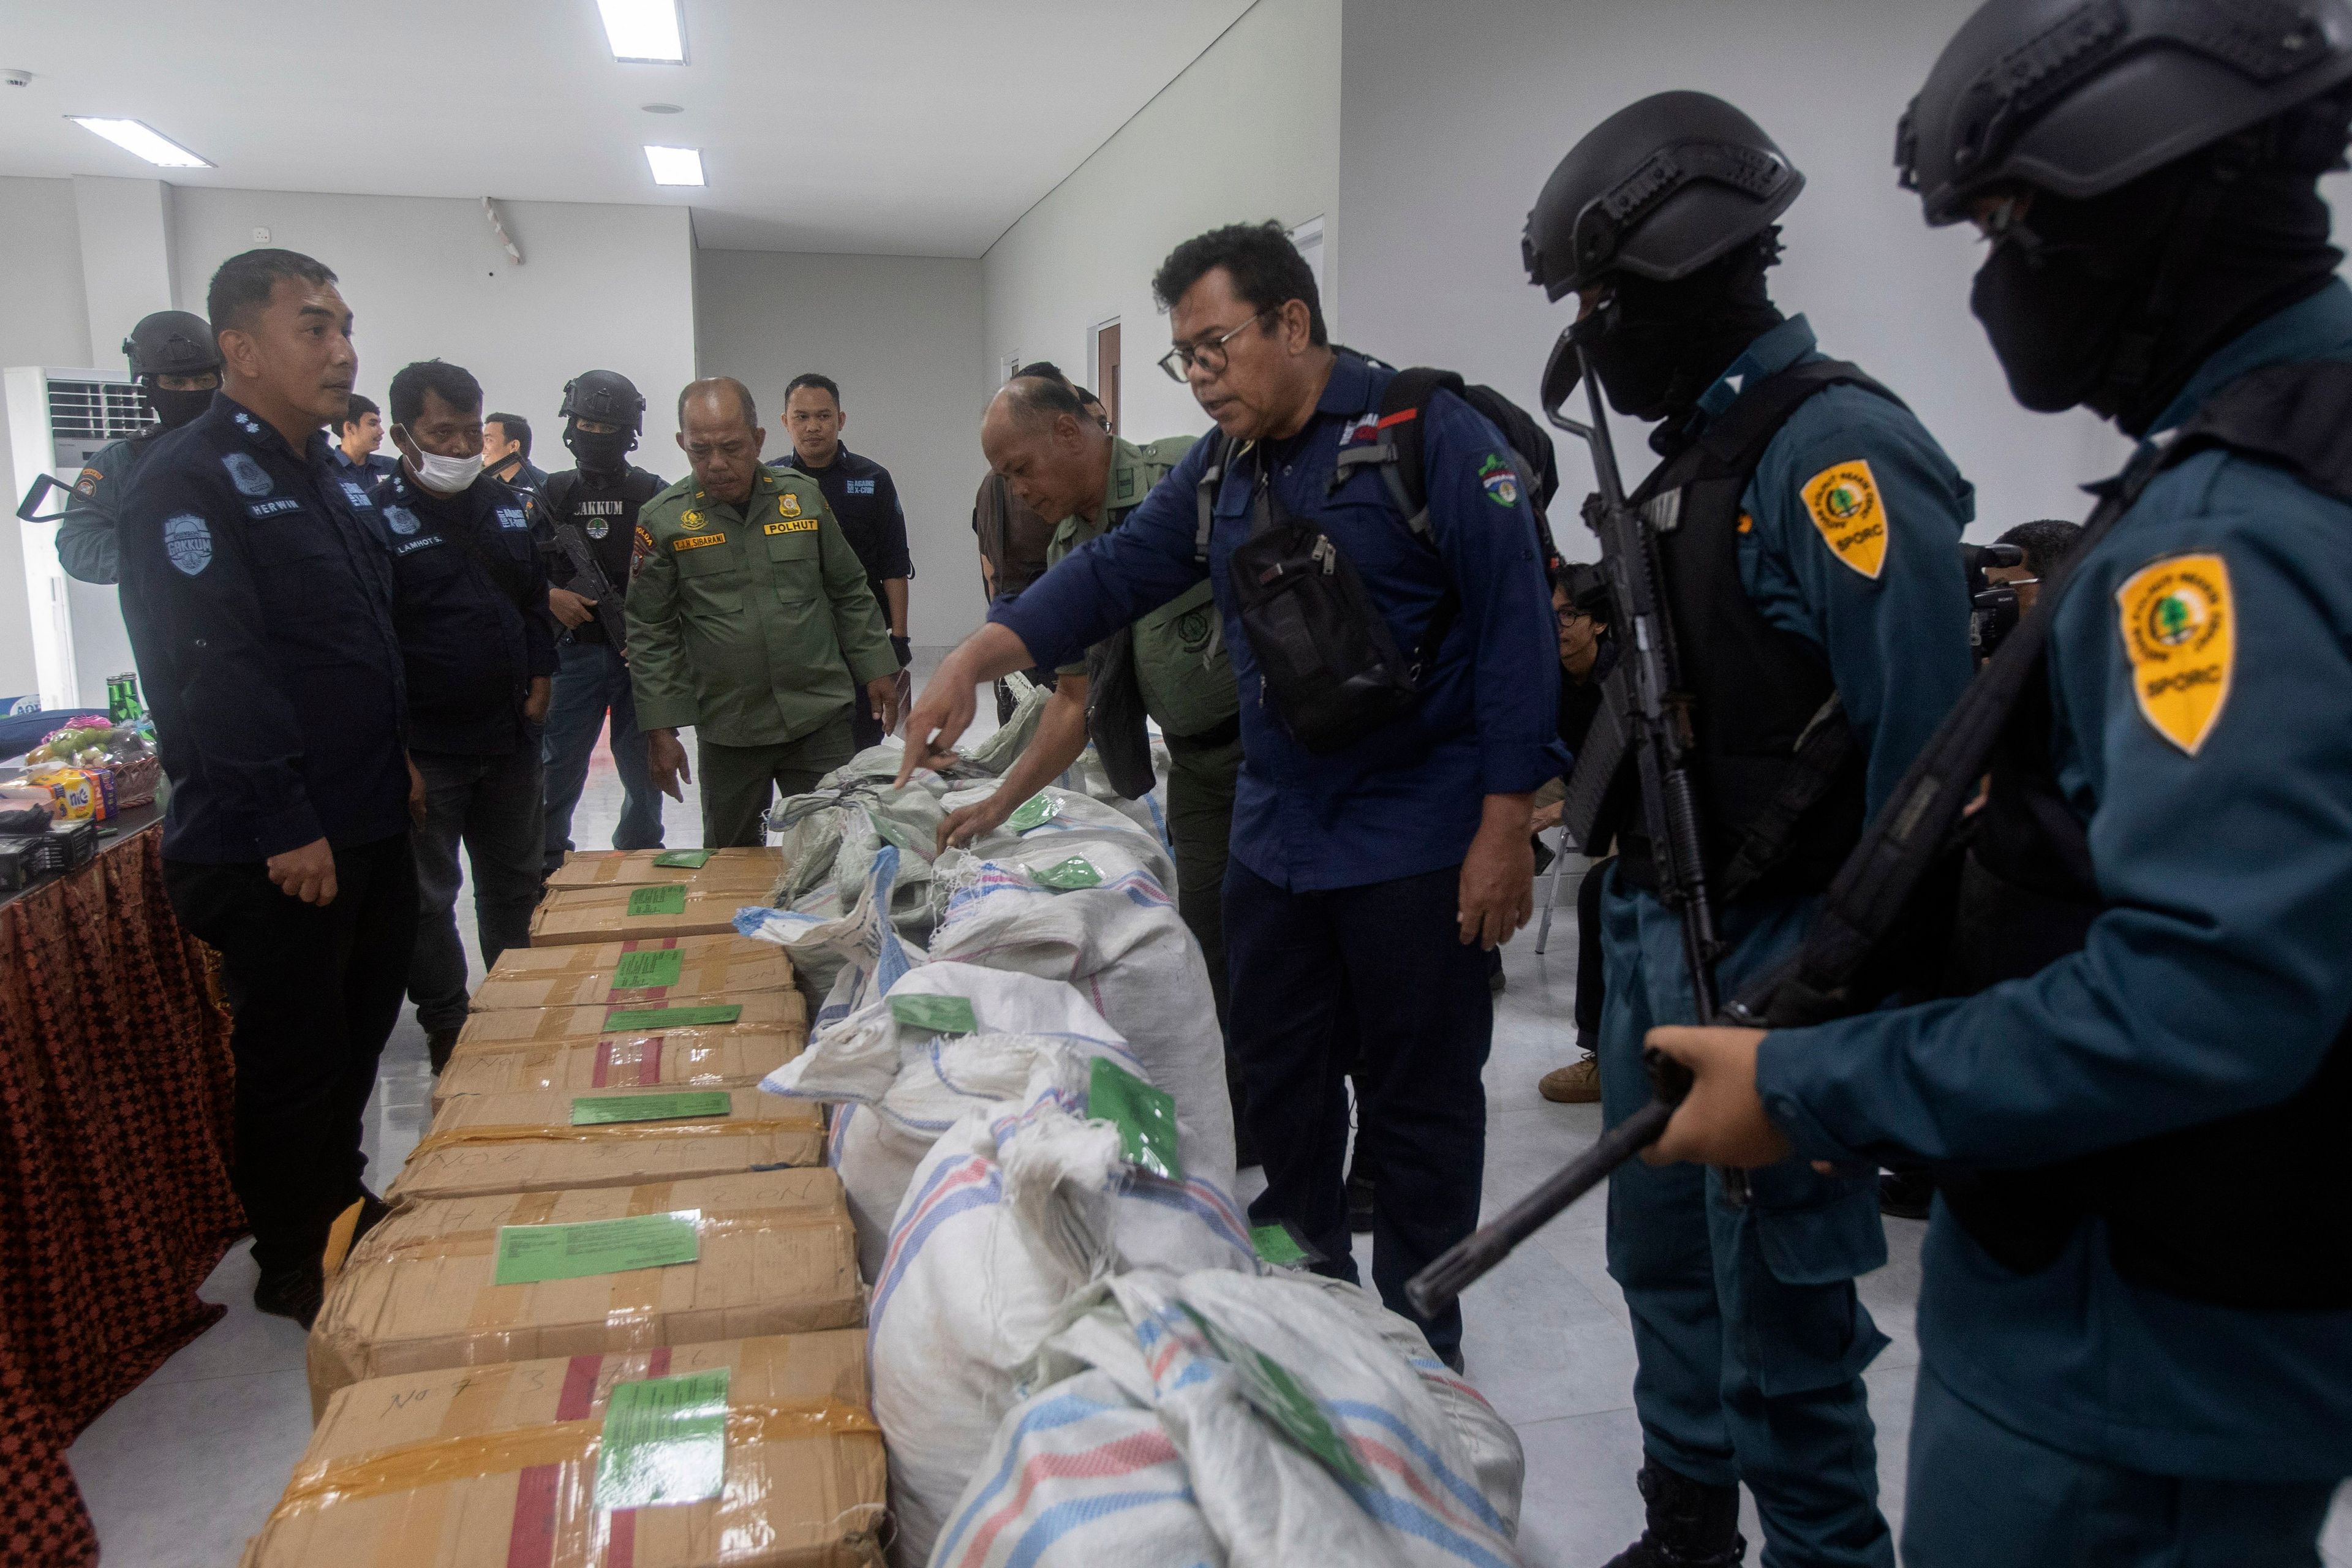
x=750, y=620
x=1062, y=464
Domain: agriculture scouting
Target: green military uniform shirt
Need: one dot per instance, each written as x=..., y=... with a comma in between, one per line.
x=1180, y=650
x=754, y=624
x=85, y=546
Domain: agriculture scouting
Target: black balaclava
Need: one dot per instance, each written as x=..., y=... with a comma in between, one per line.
x=2114, y=301
x=173, y=409
x=1661, y=345
x=600, y=451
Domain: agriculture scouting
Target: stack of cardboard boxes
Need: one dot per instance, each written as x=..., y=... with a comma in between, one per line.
x=613, y=1317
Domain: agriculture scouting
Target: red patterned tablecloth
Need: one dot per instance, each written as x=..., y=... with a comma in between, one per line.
x=115, y=1083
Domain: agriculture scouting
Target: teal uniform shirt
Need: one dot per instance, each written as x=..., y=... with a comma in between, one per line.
x=2215, y=980
x=86, y=542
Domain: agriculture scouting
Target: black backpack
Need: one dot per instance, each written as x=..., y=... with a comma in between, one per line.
x=1329, y=662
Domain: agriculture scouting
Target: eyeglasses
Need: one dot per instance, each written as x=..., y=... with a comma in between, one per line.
x=1569, y=617
x=1209, y=356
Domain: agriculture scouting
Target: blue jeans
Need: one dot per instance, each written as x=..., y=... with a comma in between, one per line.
x=1750, y=1337
x=1982, y=1495
x=490, y=805
x=591, y=679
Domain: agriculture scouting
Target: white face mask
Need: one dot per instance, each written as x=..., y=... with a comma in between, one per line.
x=445, y=476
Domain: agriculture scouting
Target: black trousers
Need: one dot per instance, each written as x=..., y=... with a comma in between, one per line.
x=1384, y=959
x=315, y=993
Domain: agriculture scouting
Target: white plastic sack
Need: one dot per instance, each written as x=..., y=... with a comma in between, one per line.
x=899, y=1089
x=1121, y=943
x=851, y=955
x=1005, y=1221
x=1073, y=1478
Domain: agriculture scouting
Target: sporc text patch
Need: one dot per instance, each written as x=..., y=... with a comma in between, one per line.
x=1843, y=504
x=2180, y=631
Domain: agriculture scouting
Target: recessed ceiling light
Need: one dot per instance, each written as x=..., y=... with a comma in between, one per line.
x=664, y=108
x=676, y=166
x=133, y=136
x=643, y=32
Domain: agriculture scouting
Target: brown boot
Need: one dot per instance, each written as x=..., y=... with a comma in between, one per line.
x=1578, y=1083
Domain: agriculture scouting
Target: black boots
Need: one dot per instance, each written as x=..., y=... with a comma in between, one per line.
x=1691, y=1525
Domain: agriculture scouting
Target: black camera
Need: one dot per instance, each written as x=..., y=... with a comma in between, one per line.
x=1992, y=607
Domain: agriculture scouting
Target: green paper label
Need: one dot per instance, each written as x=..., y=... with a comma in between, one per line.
x=1276, y=1245
x=1036, y=812
x=635, y=1018
x=1069, y=875
x=1145, y=1117
x=1284, y=1400
x=934, y=1014
x=534, y=1254
x=663, y=901
x=643, y=971
x=688, y=859
x=664, y=1441
x=602, y=1110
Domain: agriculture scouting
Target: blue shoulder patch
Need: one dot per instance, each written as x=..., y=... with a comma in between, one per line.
x=858, y=487
x=188, y=541
x=354, y=493
x=249, y=476
x=512, y=516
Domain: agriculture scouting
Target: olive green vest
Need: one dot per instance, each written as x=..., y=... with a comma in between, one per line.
x=1180, y=648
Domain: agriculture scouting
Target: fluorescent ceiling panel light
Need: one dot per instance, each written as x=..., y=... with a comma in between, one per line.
x=643, y=32
x=133, y=136
x=676, y=166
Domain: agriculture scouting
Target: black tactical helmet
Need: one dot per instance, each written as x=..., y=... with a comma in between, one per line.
x=1658, y=189
x=2080, y=96
x=606, y=396
x=172, y=342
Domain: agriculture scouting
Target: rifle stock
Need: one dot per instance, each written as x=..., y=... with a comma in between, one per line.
x=592, y=577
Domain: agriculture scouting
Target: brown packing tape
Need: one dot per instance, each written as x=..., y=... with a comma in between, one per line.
x=470, y=1456
x=611, y=1133
x=339, y=1239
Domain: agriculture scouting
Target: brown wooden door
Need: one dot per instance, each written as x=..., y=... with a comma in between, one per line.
x=1107, y=363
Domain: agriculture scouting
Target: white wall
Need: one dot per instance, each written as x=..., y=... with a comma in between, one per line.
x=601, y=288
x=42, y=321
x=1454, y=117
x=1250, y=131
x=902, y=336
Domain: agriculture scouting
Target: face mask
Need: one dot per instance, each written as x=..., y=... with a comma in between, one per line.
x=445, y=476
x=2053, y=323
x=601, y=451
x=173, y=409
x=1661, y=345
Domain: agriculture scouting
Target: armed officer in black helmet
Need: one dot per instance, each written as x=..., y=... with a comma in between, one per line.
x=1808, y=530
x=591, y=512
x=2135, y=1315
x=176, y=363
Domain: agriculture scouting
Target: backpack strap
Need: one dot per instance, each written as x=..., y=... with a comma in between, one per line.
x=1221, y=452
x=2293, y=416
x=1737, y=439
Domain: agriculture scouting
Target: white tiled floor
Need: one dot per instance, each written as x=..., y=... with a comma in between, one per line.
x=180, y=1471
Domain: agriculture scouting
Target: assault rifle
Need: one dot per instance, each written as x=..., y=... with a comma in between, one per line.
x=1644, y=712
x=590, y=581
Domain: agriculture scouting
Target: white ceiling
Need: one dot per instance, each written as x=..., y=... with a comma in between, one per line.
x=909, y=127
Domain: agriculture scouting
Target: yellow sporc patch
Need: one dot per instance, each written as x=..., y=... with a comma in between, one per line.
x=788, y=505
x=1845, y=504
x=2180, y=631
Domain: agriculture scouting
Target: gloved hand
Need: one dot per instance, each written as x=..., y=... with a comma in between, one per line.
x=905, y=648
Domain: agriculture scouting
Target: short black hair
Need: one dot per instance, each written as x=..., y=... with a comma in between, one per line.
x=824, y=383
x=453, y=385
x=742, y=395
x=362, y=406
x=245, y=282
x=516, y=428
x=2045, y=542
x=1044, y=367
x=1266, y=270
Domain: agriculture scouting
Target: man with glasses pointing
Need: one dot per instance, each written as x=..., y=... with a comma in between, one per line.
x=1368, y=876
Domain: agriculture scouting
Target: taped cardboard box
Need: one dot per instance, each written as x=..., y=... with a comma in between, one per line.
x=632, y=973
x=772, y=1253
x=722, y=1058
x=750, y=868
x=755, y=1012
x=484, y=1466
x=543, y=1141
x=622, y=915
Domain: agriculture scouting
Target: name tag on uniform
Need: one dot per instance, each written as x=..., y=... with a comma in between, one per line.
x=858, y=487
x=698, y=541
x=512, y=516
x=273, y=508
x=796, y=525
